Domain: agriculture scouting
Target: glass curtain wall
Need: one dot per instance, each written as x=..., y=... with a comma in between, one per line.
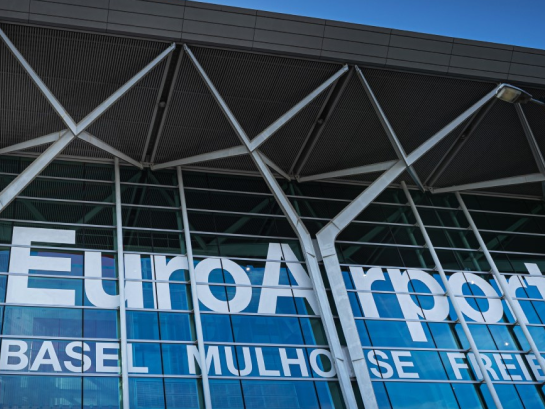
x=265, y=345
x=257, y=304
x=40, y=344
x=416, y=350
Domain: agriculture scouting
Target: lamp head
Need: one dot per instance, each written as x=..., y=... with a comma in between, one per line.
x=513, y=95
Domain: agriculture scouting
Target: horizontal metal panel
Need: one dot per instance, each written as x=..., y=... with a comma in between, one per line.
x=418, y=56
x=343, y=24
x=219, y=7
x=43, y=19
x=287, y=49
x=95, y=3
x=143, y=31
x=478, y=73
x=13, y=15
x=355, y=48
x=215, y=40
x=144, y=20
x=220, y=30
x=357, y=35
x=416, y=66
x=442, y=47
x=68, y=10
x=219, y=17
x=289, y=26
x=488, y=44
x=146, y=7
x=479, y=64
x=527, y=70
x=524, y=58
x=277, y=37
x=16, y=5
x=292, y=17
x=526, y=79
x=353, y=58
x=482, y=52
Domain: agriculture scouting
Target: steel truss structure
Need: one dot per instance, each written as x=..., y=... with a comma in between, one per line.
x=353, y=360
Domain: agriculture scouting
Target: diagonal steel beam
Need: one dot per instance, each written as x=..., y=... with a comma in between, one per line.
x=204, y=157
x=501, y=281
x=388, y=129
x=34, y=169
x=194, y=291
x=98, y=111
x=339, y=363
x=453, y=299
x=63, y=113
x=93, y=140
x=318, y=128
x=328, y=234
x=534, y=147
x=284, y=119
x=39, y=164
x=116, y=96
x=156, y=106
x=274, y=166
x=435, y=139
x=167, y=107
x=41, y=140
x=359, y=170
x=536, y=152
x=514, y=180
x=77, y=129
x=457, y=145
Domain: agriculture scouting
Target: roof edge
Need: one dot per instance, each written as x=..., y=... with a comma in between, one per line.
x=262, y=31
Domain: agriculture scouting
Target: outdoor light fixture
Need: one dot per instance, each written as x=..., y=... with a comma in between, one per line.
x=513, y=95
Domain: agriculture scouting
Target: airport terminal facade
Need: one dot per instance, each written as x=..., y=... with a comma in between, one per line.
x=284, y=231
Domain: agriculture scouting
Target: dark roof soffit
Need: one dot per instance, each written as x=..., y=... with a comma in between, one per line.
x=231, y=27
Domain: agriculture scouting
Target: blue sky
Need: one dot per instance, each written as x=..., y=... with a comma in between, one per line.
x=517, y=22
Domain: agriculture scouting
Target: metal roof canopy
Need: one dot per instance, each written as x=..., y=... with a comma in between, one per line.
x=145, y=103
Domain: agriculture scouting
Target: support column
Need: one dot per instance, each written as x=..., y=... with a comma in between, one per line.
x=194, y=292
x=18, y=184
x=298, y=226
x=325, y=312
x=326, y=241
x=448, y=290
x=121, y=284
x=502, y=283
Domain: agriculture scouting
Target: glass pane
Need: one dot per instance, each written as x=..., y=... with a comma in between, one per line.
x=40, y=391
x=54, y=322
x=146, y=393
x=101, y=393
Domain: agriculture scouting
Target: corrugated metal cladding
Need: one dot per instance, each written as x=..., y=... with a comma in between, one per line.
x=338, y=130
